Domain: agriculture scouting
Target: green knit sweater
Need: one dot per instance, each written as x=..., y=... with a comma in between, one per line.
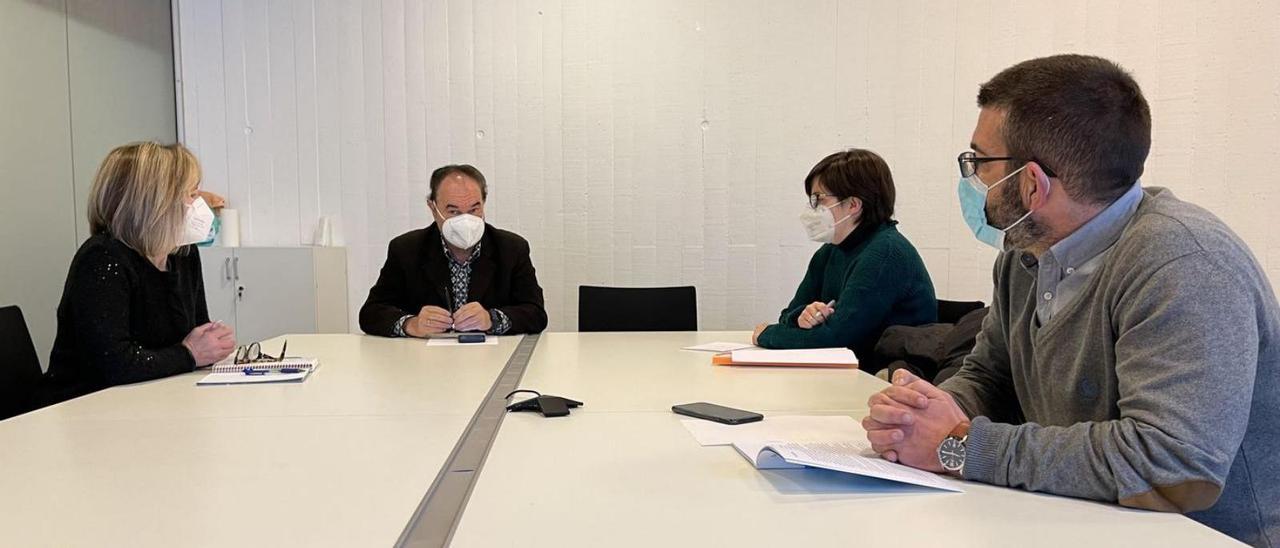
x=876, y=278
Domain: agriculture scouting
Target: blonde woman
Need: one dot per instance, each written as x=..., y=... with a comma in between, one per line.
x=133, y=308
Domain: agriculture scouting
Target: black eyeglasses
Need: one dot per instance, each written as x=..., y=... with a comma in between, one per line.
x=252, y=353
x=816, y=198
x=969, y=162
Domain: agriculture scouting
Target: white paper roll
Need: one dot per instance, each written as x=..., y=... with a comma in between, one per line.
x=230, y=233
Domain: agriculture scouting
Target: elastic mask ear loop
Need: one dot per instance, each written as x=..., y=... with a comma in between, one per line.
x=1024, y=217
x=846, y=217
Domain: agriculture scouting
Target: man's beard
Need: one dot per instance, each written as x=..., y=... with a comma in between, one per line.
x=1006, y=209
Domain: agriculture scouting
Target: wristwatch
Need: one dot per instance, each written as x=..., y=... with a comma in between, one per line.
x=951, y=451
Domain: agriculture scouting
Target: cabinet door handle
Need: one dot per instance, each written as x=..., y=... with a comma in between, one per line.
x=240, y=293
x=226, y=267
x=236, y=267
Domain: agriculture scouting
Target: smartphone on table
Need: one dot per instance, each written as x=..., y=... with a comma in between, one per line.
x=716, y=413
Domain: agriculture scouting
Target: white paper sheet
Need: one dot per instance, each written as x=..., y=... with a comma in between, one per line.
x=241, y=378
x=780, y=427
x=719, y=347
x=842, y=356
x=850, y=457
x=755, y=454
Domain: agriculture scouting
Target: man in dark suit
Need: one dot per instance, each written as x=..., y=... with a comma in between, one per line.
x=459, y=274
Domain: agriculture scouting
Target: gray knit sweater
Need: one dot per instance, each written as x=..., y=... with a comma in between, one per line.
x=1157, y=387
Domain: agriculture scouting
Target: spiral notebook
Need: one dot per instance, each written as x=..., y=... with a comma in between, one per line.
x=232, y=373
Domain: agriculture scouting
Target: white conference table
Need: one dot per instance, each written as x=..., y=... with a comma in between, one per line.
x=623, y=471
x=342, y=459
x=612, y=372
x=358, y=375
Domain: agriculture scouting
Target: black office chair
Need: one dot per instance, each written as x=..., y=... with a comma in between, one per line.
x=20, y=375
x=637, y=308
x=952, y=311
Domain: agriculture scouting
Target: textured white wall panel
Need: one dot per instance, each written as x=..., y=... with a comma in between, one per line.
x=664, y=141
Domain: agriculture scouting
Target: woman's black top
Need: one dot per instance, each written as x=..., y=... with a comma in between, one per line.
x=122, y=320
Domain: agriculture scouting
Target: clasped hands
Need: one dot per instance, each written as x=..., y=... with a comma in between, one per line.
x=813, y=315
x=909, y=420
x=433, y=319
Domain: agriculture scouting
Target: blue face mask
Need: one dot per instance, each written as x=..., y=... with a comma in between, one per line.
x=973, y=205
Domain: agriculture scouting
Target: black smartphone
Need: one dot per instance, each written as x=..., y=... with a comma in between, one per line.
x=470, y=338
x=717, y=413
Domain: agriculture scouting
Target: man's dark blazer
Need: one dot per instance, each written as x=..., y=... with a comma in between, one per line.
x=416, y=274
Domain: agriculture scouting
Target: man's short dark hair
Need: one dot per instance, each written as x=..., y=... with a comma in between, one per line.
x=861, y=174
x=438, y=176
x=1083, y=117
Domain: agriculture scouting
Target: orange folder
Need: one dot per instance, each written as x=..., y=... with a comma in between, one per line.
x=727, y=359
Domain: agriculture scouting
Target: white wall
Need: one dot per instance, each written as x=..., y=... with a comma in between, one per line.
x=37, y=225
x=77, y=77
x=122, y=83
x=664, y=142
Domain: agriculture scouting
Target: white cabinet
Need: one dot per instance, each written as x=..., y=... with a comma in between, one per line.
x=264, y=292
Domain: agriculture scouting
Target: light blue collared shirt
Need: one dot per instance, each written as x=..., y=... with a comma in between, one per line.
x=1066, y=268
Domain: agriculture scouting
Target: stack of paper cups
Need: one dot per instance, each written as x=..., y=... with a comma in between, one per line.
x=230, y=235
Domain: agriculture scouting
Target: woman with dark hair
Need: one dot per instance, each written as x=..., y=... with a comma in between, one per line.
x=866, y=277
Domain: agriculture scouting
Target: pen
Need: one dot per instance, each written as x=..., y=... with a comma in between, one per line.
x=448, y=296
x=822, y=314
x=284, y=370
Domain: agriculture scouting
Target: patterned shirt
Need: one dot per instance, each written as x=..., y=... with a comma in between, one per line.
x=459, y=276
x=459, y=289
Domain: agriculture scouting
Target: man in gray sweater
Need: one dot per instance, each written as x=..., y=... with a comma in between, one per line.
x=1133, y=344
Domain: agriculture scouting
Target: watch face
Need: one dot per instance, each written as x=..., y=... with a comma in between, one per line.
x=951, y=454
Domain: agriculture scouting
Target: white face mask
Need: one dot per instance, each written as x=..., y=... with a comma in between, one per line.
x=462, y=231
x=820, y=223
x=199, y=221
